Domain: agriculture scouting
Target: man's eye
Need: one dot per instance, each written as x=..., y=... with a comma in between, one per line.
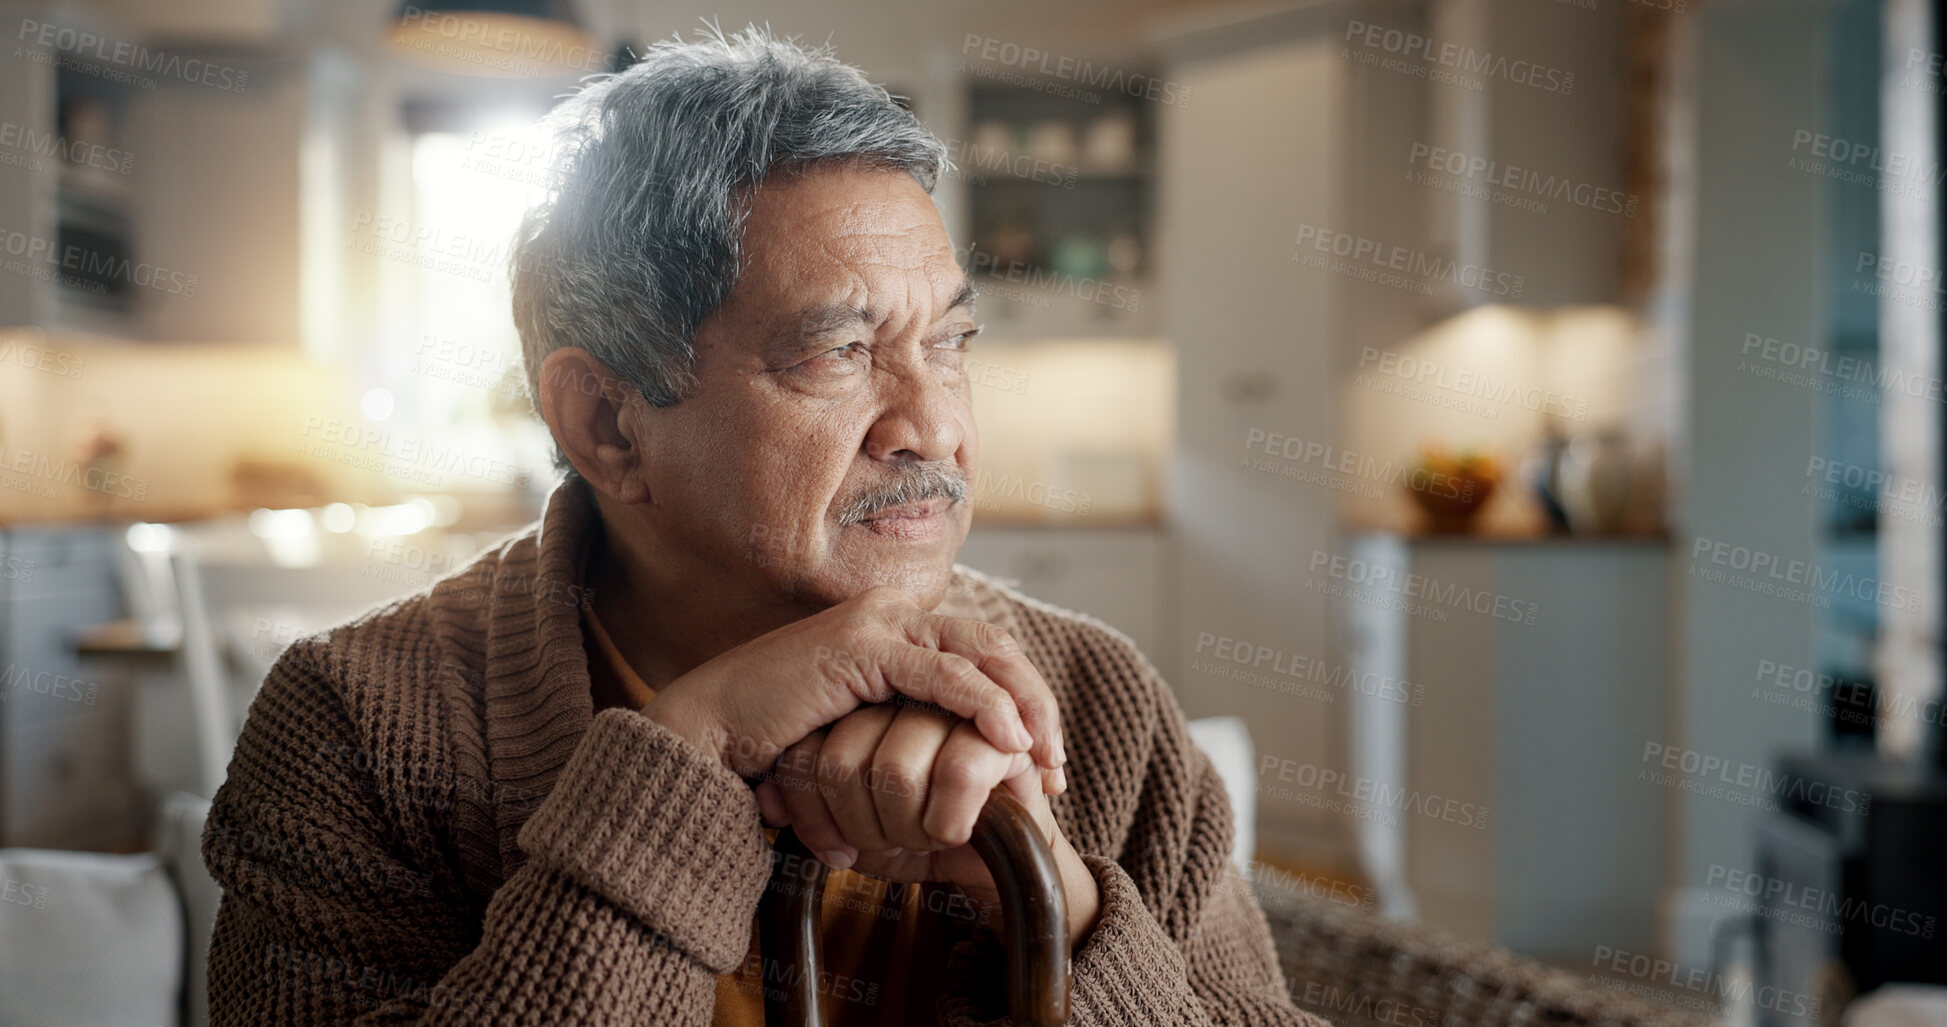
x=960, y=340
x=843, y=358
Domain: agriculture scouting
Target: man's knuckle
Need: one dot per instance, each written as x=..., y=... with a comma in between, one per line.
x=861, y=626
x=837, y=771
x=844, y=669
x=879, y=598
x=995, y=639
x=893, y=769
x=895, y=783
x=958, y=674
x=959, y=776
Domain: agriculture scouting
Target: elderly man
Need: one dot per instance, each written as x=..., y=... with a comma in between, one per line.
x=542, y=791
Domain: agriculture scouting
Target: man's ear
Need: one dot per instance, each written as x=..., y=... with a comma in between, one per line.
x=583, y=402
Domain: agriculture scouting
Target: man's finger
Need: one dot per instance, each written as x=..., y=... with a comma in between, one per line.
x=903, y=770
x=845, y=777
x=954, y=683
x=964, y=775
x=995, y=654
x=810, y=818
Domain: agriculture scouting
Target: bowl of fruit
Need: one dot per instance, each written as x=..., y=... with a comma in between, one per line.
x=1450, y=487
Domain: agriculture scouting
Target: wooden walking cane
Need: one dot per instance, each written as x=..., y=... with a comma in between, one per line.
x=1033, y=909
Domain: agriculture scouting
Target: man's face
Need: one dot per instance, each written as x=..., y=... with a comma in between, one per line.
x=832, y=378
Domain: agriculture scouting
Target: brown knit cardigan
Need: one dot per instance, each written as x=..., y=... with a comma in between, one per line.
x=423, y=823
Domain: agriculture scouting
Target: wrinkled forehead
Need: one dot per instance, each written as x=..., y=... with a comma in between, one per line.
x=845, y=236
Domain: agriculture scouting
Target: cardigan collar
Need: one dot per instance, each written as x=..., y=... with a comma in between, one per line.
x=537, y=690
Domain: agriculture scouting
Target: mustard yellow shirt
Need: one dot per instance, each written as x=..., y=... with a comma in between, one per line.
x=882, y=950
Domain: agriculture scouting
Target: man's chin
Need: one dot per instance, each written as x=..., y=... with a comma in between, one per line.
x=862, y=559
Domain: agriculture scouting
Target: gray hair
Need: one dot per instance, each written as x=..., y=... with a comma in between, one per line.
x=640, y=236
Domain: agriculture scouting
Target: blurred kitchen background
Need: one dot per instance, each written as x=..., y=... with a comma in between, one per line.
x=1524, y=416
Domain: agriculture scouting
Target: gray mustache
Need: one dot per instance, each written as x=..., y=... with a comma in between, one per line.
x=914, y=483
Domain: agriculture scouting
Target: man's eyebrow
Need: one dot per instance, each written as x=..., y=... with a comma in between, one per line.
x=830, y=319
x=965, y=297
x=834, y=318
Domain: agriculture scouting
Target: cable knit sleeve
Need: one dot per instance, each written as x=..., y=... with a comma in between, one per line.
x=1179, y=939
x=334, y=911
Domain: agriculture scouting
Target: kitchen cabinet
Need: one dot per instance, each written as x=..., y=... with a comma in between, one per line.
x=1254, y=155
x=169, y=192
x=65, y=775
x=1543, y=681
x=1060, y=203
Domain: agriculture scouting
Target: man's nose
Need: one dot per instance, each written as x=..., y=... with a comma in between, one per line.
x=920, y=420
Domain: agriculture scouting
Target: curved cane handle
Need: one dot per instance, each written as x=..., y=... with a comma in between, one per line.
x=1032, y=905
